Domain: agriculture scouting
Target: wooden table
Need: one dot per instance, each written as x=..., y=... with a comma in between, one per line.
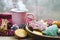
x=12, y=38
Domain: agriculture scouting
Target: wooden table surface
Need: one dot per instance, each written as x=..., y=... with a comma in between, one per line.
x=13, y=38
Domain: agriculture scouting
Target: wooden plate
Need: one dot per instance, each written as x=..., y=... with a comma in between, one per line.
x=42, y=37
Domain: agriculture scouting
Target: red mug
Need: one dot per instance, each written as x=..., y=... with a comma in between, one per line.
x=21, y=18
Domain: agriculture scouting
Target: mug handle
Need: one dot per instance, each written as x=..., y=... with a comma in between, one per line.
x=29, y=17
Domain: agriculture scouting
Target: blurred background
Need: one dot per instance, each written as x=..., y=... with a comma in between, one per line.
x=42, y=9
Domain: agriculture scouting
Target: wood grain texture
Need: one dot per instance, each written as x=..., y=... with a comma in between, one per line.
x=12, y=38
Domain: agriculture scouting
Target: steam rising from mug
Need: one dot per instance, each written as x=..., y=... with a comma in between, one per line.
x=20, y=7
